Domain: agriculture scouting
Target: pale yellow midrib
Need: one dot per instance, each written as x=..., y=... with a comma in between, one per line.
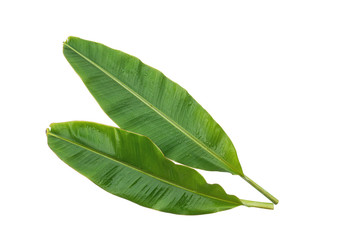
x=172, y=122
x=138, y=170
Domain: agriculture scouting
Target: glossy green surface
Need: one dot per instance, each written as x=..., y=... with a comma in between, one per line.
x=131, y=166
x=141, y=99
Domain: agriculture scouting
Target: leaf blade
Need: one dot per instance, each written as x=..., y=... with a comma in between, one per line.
x=131, y=166
x=145, y=101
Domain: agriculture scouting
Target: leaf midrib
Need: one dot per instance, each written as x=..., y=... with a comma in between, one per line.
x=139, y=170
x=168, y=119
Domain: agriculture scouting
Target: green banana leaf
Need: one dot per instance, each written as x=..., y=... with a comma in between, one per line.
x=131, y=166
x=141, y=99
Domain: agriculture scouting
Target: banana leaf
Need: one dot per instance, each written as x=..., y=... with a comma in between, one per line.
x=131, y=166
x=141, y=99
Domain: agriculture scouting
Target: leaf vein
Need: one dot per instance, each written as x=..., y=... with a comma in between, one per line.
x=137, y=169
x=142, y=99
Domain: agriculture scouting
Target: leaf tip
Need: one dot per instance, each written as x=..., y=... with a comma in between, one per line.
x=67, y=41
x=48, y=130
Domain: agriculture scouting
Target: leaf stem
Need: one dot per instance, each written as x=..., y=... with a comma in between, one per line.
x=260, y=189
x=264, y=205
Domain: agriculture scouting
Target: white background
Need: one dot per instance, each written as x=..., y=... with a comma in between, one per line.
x=281, y=77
